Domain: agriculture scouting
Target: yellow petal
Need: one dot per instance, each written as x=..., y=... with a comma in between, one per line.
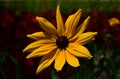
x=86, y=37
x=71, y=59
x=80, y=29
x=47, y=60
x=47, y=26
x=60, y=25
x=113, y=21
x=37, y=44
x=71, y=23
x=43, y=50
x=79, y=50
x=59, y=60
x=38, y=35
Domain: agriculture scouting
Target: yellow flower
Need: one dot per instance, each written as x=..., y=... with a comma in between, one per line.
x=61, y=45
x=113, y=21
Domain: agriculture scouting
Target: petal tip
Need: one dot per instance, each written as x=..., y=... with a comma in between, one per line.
x=90, y=57
x=37, y=17
x=95, y=33
x=80, y=10
x=58, y=70
x=28, y=35
x=27, y=57
x=77, y=65
x=24, y=50
x=58, y=6
x=38, y=70
x=89, y=17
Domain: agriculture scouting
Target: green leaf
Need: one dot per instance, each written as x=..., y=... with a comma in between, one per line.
x=2, y=57
x=118, y=74
x=18, y=69
x=2, y=73
x=55, y=75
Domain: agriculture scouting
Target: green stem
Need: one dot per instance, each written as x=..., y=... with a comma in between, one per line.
x=3, y=73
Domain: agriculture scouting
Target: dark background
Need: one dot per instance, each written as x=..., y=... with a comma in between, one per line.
x=17, y=19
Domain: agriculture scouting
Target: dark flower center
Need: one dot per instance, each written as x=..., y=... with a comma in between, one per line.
x=62, y=42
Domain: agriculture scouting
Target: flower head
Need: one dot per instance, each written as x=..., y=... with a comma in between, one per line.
x=113, y=21
x=61, y=45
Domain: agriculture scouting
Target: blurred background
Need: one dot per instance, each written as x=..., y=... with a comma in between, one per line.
x=17, y=19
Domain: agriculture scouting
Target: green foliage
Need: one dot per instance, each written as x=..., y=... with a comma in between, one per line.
x=55, y=75
x=37, y=6
x=3, y=57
